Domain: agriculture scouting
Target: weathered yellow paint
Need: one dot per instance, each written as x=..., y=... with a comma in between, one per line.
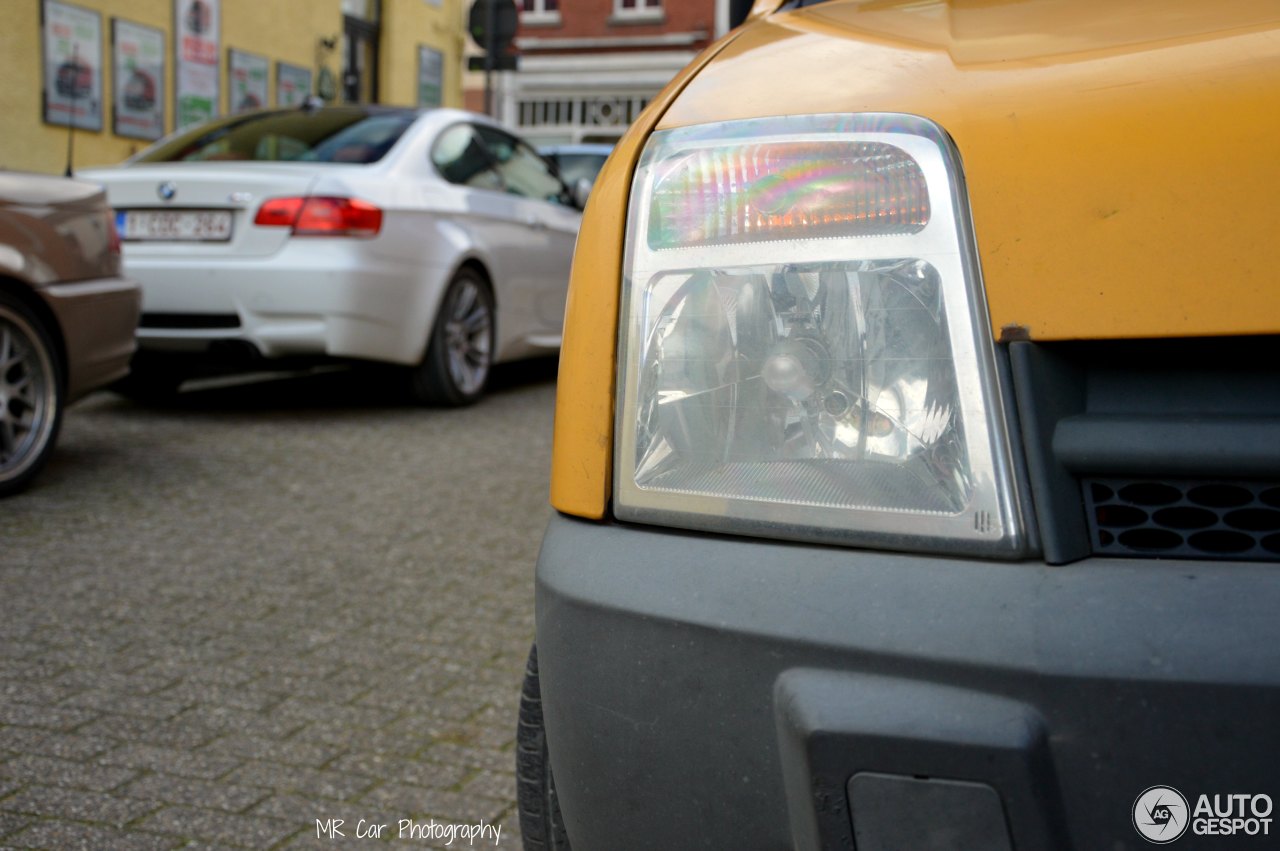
x=1102, y=153
x=1101, y=144
x=281, y=30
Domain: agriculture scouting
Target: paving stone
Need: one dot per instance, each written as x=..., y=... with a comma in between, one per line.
x=196, y=793
x=137, y=682
x=305, y=781
x=211, y=826
x=51, y=801
x=294, y=751
x=393, y=769
x=269, y=610
x=225, y=720
x=451, y=754
x=231, y=697
x=48, y=717
x=499, y=785
x=300, y=712
x=276, y=689
x=418, y=801
x=94, y=659
x=71, y=746
x=141, y=706
x=189, y=730
x=12, y=823
x=304, y=810
x=228, y=676
x=29, y=669
x=28, y=691
x=118, y=727
x=185, y=763
x=25, y=649
x=315, y=818
x=65, y=773
x=72, y=836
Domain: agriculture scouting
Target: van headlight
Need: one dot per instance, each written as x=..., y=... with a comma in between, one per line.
x=804, y=344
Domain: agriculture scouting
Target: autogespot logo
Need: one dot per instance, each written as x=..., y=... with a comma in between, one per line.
x=1160, y=814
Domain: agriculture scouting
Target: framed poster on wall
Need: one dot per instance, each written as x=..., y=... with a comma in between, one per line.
x=137, y=77
x=73, y=68
x=430, y=76
x=196, y=36
x=293, y=84
x=247, y=84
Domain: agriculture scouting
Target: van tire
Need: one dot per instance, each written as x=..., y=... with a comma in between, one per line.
x=541, y=824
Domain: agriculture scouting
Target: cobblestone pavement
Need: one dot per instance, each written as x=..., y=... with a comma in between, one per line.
x=226, y=618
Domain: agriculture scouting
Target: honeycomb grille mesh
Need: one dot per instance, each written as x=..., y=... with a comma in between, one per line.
x=1234, y=520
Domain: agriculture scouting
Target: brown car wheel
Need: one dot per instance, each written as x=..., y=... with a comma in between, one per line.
x=31, y=393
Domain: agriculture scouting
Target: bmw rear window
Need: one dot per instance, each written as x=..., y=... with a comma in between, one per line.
x=338, y=135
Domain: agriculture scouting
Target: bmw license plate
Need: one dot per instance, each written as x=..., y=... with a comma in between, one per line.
x=175, y=225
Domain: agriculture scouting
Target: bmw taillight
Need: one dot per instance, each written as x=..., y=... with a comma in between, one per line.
x=321, y=216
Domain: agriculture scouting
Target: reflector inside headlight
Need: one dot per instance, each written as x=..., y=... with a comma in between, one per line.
x=804, y=345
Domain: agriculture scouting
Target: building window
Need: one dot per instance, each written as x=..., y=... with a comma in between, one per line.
x=539, y=12
x=365, y=10
x=637, y=7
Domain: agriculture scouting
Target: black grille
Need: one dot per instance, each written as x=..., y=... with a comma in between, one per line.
x=189, y=321
x=1236, y=520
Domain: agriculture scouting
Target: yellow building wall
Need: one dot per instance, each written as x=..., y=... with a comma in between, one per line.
x=281, y=30
x=406, y=24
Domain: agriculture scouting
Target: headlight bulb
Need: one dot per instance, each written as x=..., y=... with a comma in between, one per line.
x=796, y=368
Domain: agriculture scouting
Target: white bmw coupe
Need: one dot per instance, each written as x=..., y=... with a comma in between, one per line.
x=432, y=239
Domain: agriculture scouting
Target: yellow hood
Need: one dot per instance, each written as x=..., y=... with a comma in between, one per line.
x=1121, y=158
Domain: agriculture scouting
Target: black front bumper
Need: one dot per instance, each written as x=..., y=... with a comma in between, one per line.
x=712, y=692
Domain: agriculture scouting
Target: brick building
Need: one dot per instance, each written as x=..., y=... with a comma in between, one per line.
x=587, y=67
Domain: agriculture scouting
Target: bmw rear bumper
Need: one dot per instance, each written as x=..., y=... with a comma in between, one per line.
x=313, y=297
x=712, y=692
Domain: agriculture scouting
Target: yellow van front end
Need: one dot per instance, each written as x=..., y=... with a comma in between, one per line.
x=917, y=459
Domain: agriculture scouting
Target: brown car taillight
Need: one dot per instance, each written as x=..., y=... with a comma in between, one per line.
x=321, y=216
x=113, y=234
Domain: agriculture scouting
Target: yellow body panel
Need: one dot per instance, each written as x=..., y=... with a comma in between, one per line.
x=1102, y=145
x=582, y=450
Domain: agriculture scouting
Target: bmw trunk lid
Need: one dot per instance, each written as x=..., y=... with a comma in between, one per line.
x=236, y=190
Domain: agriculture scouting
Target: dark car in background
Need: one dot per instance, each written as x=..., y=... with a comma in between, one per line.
x=67, y=316
x=577, y=162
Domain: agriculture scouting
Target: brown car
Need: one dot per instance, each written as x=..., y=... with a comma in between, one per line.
x=67, y=317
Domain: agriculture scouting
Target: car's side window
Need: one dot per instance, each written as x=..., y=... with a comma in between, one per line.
x=462, y=158
x=523, y=171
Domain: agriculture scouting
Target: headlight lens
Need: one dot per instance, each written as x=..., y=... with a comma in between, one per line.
x=804, y=344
